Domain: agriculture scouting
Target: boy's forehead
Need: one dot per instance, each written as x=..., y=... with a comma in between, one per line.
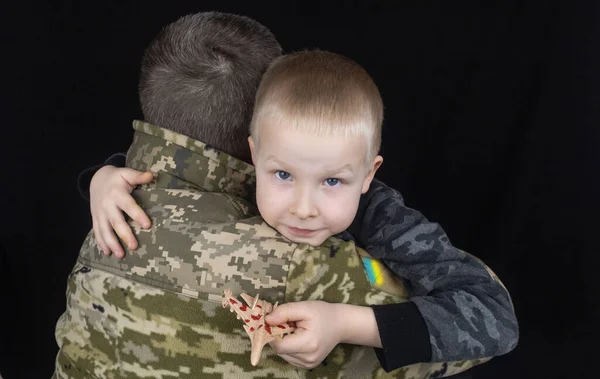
x=324, y=152
x=307, y=135
x=306, y=127
x=319, y=124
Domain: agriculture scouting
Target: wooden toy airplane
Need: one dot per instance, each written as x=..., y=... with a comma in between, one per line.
x=253, y=314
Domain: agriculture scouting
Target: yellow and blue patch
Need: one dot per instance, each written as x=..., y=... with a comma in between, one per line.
x=374, y=271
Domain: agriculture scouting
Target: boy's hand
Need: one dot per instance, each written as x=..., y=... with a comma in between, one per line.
x=318, y=330
x=110, y=196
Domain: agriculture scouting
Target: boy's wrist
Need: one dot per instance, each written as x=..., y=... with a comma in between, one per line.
x=359, y=326
x=84, y=179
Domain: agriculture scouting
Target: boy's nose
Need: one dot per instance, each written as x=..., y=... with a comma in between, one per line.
x=303, y=207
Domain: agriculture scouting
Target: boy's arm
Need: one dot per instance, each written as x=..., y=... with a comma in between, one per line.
x=108, y=189
x=458, y=309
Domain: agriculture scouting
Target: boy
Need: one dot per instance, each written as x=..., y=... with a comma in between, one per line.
x=315, y=138
x=312, y=221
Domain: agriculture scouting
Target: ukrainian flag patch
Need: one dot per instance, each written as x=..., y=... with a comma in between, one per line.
x=374, y=271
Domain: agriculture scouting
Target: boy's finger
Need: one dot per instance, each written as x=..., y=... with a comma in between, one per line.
x=110, y=240
x=286, y=313
x=105, y=250
x=124, y=232
x=135, y=212
x=146, y=177
x=98, y=237
x=134, y=177
x=294, y=343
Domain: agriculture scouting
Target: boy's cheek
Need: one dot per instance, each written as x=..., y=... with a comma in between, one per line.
x=343, y=210
x=270, y=200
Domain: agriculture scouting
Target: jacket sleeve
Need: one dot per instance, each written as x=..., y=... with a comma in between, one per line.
x=85, y=177
x=459, y=309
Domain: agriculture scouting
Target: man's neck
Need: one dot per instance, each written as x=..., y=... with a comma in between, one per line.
x=181, y=162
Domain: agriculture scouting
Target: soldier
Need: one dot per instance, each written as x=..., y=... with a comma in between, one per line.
x=156, y=311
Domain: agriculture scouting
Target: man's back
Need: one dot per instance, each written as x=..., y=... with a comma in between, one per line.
x=159, y=307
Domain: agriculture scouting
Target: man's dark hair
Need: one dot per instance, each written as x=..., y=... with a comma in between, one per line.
x=199, y=77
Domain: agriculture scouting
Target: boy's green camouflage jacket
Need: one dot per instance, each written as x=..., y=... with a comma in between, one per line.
x=157, y=312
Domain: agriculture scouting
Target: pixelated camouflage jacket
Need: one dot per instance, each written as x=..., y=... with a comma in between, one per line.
x=157, y=311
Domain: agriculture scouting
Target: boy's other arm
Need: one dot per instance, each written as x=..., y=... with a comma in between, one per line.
x=109, y=196
x=467, y=312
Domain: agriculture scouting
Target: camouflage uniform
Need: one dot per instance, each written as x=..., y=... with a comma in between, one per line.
x=157, y=312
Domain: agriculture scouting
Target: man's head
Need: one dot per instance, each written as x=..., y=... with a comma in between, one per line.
x=199, y=77
x=315, y=136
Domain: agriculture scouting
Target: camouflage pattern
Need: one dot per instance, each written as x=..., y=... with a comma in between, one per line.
x=157, y=312
x=471, y=314
x=334, y=272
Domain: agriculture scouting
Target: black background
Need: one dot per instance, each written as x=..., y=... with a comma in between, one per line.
x=492, y=116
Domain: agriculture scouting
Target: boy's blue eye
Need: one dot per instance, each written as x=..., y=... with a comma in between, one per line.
x=332, y=182
x=283, y=175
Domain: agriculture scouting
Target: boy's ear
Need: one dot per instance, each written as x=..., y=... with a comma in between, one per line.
x=252, y=149
x=372, y=170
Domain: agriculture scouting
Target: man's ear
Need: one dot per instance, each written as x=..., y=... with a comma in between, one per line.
x=252, y=149
x=372, y=170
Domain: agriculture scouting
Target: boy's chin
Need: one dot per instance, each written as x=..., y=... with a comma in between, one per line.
x=313, y=241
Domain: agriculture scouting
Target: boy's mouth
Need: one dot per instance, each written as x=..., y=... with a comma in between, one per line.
x=302, y=232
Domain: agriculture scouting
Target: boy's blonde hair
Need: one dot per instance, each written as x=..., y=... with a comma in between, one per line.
x=320, y=92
